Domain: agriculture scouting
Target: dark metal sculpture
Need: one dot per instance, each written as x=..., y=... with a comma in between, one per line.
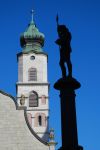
x=65, y=49
x=67, y=86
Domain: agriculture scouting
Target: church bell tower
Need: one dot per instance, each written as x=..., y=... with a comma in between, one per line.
x=32, y=85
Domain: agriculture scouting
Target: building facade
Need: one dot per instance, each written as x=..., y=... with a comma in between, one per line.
x=24, y=121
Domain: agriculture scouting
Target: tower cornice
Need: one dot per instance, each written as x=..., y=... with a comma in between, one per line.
x=32, y=52
x=35, y=83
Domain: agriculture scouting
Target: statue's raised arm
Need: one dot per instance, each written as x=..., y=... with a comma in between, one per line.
x=65, y=49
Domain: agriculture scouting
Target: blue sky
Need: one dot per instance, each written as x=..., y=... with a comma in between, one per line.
x=82, y=17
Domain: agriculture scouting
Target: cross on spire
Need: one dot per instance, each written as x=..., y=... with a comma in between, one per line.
x=32, y=12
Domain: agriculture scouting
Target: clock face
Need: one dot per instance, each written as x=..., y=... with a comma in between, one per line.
x=32, y=57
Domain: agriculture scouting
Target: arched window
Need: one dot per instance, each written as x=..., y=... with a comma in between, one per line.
x=40, y=120
x=33, y=99
x=32, y=74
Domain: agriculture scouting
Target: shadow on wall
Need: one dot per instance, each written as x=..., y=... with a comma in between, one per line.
x=39, y=122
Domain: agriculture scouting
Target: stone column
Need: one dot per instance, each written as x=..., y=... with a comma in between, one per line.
x=67, y=89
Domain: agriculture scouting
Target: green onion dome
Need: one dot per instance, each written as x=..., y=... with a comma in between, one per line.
x=32, y=39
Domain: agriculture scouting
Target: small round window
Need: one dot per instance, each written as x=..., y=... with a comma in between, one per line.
x=32, y=57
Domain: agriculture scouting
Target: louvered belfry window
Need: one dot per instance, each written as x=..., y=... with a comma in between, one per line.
x=32, y=74
x=33, y=99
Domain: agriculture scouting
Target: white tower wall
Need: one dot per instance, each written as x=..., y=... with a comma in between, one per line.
x=40, y=86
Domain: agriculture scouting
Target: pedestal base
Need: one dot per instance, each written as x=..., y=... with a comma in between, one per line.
x=67, y=87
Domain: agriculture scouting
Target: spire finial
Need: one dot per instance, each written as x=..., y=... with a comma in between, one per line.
x=32, y=12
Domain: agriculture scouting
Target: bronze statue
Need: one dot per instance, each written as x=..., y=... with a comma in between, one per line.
x=65, y=49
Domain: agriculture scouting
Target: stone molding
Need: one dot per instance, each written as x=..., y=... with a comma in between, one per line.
x=34, y=83
x=38, y=110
